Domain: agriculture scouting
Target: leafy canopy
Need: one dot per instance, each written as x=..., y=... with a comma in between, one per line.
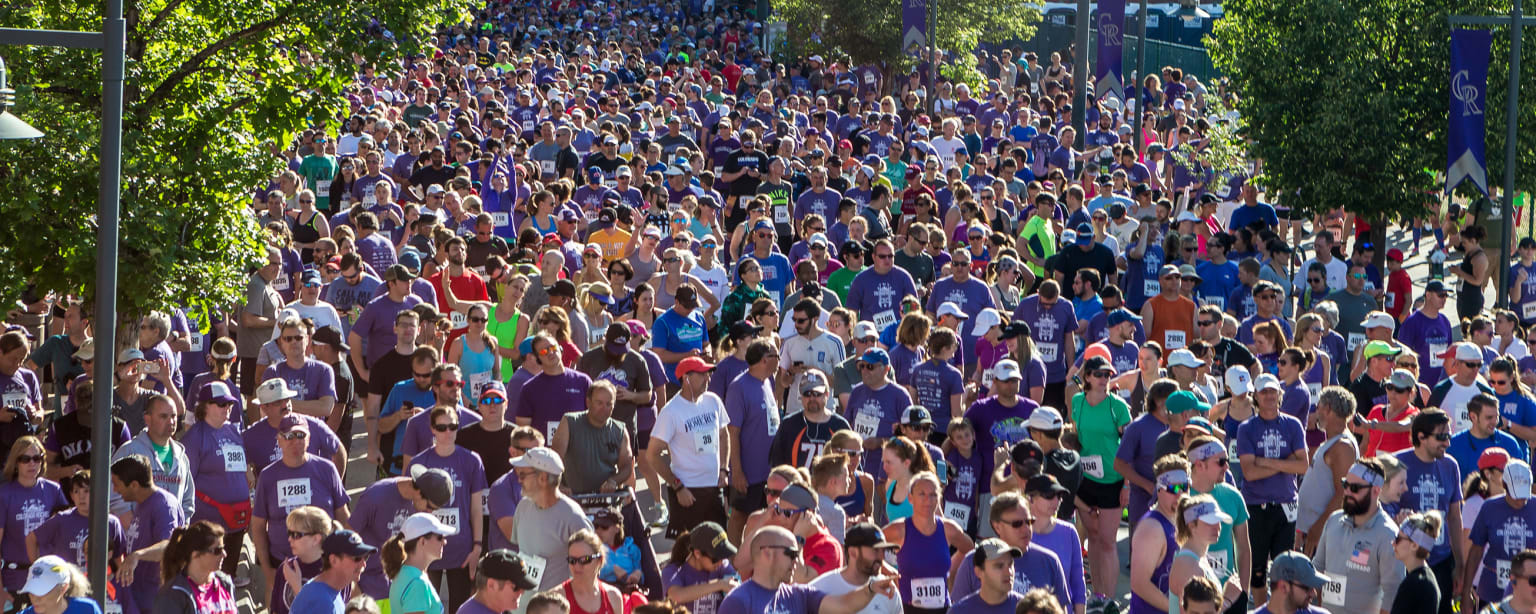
x=210, y=86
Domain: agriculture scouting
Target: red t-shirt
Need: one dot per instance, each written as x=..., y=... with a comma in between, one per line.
x=822, y=553
x=1399, y=293
x=467, y=287
x=1389, y=442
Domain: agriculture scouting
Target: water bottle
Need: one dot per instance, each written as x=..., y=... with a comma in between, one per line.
x=1437, y=264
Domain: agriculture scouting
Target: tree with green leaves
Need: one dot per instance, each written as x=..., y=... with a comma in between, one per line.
x=211, y=90
x=870, y=32
x=1346, y=103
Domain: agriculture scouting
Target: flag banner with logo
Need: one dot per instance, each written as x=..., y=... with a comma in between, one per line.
x=1108, y=79
x=1467, y=158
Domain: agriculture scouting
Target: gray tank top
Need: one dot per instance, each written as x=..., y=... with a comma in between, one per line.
x=591, y=452
x=1318, y=484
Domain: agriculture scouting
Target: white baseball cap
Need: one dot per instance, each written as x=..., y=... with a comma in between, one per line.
x=542, y=459
x=47, y=573
x=273, y=390
x=422, y=523
x=1006, y=370
x=1517, y=479
x=951, y=309
x=1379, y=319
x=1239, y=380
x=864, y=330
x=1267, y=381
x=986, y=320
x=1046, y=418
x=1184, y=358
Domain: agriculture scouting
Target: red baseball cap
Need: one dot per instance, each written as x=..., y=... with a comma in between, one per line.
x=1395, y=255
x=1493, y=457
x=693, y=364
x=845, y=144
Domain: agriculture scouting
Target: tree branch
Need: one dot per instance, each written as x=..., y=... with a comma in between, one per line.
x=154, y=23
x=195, y=63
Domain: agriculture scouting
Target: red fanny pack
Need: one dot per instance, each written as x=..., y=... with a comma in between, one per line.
x=236, y=515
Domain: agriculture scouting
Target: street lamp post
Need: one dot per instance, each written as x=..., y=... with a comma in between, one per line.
x=112, y=42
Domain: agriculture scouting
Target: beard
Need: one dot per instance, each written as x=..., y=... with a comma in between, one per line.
x=1356, y=507
x=456, y=259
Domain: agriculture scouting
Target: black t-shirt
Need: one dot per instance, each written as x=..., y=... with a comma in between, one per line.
x=476, y=252
x=1067, y=467
x=72, y=440
x=745, y=185
x=1418, y=593
x=427, y=175
x=1228, y=352
x=800, y=441
x=1099, y=258
x=390, y=369
x=1368, y=392
x=567, y=160
x=494, y=448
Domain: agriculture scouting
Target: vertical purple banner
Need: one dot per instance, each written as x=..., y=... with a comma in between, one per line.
x=1108, y=80
x=914, y=27
x=1466, y=158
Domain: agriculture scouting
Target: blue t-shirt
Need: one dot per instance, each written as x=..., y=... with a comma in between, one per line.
x=1259, y=212
x=1466, y=449
x=318, y=597
x=1217, y=281
x=675, y=332
x=751, y=598
x=776, y=275
x=77, y=605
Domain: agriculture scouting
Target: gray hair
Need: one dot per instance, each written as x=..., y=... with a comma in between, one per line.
x=1330, y=312
x=1337, y=399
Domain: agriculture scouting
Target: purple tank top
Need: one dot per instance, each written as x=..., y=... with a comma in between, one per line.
x=924, y=564
x=1159, y=574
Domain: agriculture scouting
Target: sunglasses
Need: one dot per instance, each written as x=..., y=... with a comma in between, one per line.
x=1176, y=489
x=445, y=428
x=27, y=459
x=216, y=550
x=583, y=560
x=479, y=320
x=785, y=513
x=1442, y=436
x=292, y=435
x=550, y=349
x=1016, y=524
x=1528, y=580
x=1102, y=373
x=1351, y=486
x=298, y=535
x=454, y=384
x=421, y=375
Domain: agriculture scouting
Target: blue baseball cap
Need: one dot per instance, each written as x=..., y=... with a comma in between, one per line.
x=1121, y=316
x=526, y=347
x=410, y=259
x=876, y=356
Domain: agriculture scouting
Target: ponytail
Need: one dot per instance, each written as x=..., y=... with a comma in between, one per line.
x=393, y=555
x=186, y=542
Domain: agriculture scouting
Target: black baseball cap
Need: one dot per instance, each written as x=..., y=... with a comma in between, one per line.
x=866, y=535
x=1027, y=451
x=503, y=564
x=710, y=538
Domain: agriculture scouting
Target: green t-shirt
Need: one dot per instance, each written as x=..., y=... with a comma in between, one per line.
x=1038, y=237
x=411, y=591
x=896, y=173
x=1098, y=429
x=1224, y=550
x=506, y=336
x=840, y=280
x=166, y=455
x=318, y=172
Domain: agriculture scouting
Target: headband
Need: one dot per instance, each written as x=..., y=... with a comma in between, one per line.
x=1371, y=476
x=1418, y=536
x=1177, y=477
x=1211, y=449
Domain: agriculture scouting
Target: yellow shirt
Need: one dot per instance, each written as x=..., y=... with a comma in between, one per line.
x=612, y=240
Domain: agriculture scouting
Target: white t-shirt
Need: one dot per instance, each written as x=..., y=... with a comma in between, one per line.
x=691, y=431
x=1455, y=404
x=716, y=280
x=947, y=149
x=1335, y=268
x=824, y=353
x=833, y=584
x=322, y=313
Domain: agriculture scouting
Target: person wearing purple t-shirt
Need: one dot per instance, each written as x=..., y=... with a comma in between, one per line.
x=447, y=384
x=373, y=334
x=874, y=407
x=1266, y=298
x=971, y=295
x=553, y=392
x=1272, y=448
x=156, y=514
x=1138, y=447
x=314, y=382
x=26, y=500
x=876, y=292
x=752, y=410
x=1053, y=322
x=297, y=479
x=465, y=510
x=65, y=533
x=1428, y=333
x=505, y=580
x=774, y=557
x=1002, y=419
x=261, y=438
x=1434, y=483
x=383, y=507
x=217, y=461
x=1501, y=530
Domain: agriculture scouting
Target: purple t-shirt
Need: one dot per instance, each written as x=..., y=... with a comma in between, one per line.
x=1245, y=328
x=1051, y=327
x=935, y=383
x=418, y=431
x=1098, y=330
x=969, y=479
x=64, y=536
x=998, y=425
x=1277, y=438
x=282, y=489
x=904, y=360
x=379, y=512
x=877, y=298
x=1123, y=357
x=260, y=441
x=545, y=398
x=725, y=373
x=1064, y=542
x=1428, y=338
x=1497, y=528
x=683, y=574
x=752, y=407
x=1138, y=447
x=1296, y=400
x=1434, y=485
x=20, y=392
x=502, y=499
x=376, y=251
x=377, y=325
x=468, y=474
x=24, y=509
x=823, y=204
x=751, y=598
x=217, y=460
x=1038, y=568
x=153, y=521
x=313, y=380
x=971, y=297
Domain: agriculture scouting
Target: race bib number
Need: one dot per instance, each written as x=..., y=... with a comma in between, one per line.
x=986, y=378
x=928, y=592
x=781, y=215
x=884, y=319
x=1355, y=339
x=196, y=341
x=1173, y=339
x=547, y=167
x=527, y=125
x=1219, y=301
x=1151, y=287
x=1217, y=560
x=15, y=400
x=323, y=186
x=866, y=424
x=448, y=516
x=280, y=283
x=1316, y=389
x=550, y=429
x=1048, y=351
x=1334, y=589
x=534, y=565
x=1093, y=466
x=1435, y=351
x=458, y=319
x=478, y=382
x=1290, y=511
x=234, y=458
x=293, y=493
x=1528, y=311
x=704, y=440
x=501, y=219
x=1501, y=573
x=958, y=512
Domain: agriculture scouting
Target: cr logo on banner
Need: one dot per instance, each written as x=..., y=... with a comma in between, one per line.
x=1108, y=29
x=1465, y=92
